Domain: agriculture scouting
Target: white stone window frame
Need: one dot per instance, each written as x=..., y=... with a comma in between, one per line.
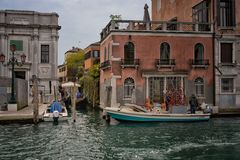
x=134, y=87
x=233, y=50
x=147, y=83
x=202, y=96
x=49, y=53
x=234, y=84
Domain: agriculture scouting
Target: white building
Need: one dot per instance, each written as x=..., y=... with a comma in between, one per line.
x=36, y=35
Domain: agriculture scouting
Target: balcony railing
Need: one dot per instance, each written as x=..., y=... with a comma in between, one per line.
x=126, y=63
x=199, y=63
x=105, y=65
x=228, y=63
x=165, y=63
x=156, y=26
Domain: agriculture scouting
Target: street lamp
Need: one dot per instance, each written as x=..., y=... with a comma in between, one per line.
x=13, y=61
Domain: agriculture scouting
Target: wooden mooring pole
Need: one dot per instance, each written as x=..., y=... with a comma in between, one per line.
x=35, y=99
x=73, y=100
x=74, y=103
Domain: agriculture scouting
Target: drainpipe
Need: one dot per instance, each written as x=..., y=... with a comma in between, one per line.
x=213, y=45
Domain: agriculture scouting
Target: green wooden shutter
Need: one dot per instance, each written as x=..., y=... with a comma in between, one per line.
x=18, y=43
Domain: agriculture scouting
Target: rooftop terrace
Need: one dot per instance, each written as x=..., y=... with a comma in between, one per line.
x=155, y=26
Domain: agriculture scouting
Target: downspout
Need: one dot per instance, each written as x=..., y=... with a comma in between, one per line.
x=213, y=59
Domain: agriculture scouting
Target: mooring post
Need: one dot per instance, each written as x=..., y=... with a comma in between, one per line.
x=35, y=99
x=74, y=103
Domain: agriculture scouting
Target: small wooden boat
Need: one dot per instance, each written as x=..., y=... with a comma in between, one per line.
x=139, y=114
x=57, y=115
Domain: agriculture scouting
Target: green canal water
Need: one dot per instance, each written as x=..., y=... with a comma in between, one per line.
x=92, y=138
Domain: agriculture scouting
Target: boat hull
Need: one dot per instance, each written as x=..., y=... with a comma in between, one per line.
x=151, y=117
x=50, y=119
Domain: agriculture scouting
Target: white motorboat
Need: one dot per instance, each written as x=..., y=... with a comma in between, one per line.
x=139, y=114
x=55, y=114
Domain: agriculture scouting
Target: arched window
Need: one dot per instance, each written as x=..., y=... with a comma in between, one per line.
x=164, y=53
x=105, y=54
x=199, y=85
x=129, y=52
x=198, y=53
x=128, y=87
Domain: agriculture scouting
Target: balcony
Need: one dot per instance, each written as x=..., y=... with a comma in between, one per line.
x=129, y=63
x=199, y=63
x=228, y=64
x=105, y=65
x=165, y=63
x=155, y=27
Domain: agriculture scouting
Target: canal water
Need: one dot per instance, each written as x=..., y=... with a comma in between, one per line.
x=91, y=138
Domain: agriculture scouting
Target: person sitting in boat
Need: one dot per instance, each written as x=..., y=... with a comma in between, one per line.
x=163, y=106
x=148, y=104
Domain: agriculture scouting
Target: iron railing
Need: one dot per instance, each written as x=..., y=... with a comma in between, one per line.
x=199, y=62
x=105, y=64
x=165, y=62
x=156, y=26
x=130, y=62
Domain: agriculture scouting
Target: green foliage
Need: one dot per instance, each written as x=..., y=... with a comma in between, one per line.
x=90, y=83
x=94, y=71
x=75, y=64
x=115, y=17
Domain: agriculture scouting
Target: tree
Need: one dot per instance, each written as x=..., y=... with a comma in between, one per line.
x=75, y=64
x=115, y=17
x=90, y=83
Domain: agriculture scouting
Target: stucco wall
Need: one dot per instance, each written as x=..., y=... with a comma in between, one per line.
x=21, y=92
x=33, y=29
x=147, y=49
x=182, y=9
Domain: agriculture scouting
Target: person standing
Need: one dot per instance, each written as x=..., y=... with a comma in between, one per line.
x=168, y=100
x=193, y=103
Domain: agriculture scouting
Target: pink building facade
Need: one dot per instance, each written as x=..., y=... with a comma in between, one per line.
x=153, y=59
x=140, y=64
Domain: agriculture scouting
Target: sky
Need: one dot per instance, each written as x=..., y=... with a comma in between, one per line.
x=81, y=21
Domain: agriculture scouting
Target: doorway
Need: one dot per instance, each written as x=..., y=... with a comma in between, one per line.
x=20, y=74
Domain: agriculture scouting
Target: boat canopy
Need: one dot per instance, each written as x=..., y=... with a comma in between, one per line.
x=70, y=84
x=56, y=106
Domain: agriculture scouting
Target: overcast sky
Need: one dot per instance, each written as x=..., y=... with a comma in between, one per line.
x=81, y=20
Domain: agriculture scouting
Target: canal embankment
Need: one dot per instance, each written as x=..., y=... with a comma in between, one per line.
x=24, y=115
x=227, y=112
